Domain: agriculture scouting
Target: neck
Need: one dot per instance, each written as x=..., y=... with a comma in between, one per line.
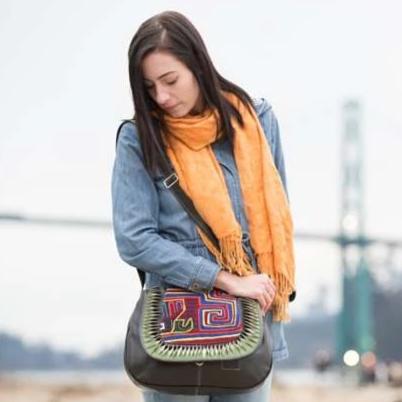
x=198, y=108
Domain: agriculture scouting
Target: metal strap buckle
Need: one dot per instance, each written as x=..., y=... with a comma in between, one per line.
x=170, y=180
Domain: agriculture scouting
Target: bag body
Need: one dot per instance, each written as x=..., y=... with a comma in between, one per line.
x=197, y=343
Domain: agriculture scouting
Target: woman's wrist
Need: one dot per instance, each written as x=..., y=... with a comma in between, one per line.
x=225, y=281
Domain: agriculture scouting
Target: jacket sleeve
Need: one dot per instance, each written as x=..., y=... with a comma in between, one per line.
x=272, y=133
x=135, y=222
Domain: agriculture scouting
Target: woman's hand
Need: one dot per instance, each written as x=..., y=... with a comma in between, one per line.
x=256, y=286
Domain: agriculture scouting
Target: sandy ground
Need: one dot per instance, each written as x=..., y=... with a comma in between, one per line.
x=12, y=390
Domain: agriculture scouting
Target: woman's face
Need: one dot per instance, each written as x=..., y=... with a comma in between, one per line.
x=171, y=84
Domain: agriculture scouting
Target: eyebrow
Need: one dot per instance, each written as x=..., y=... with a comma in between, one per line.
x=161, y=76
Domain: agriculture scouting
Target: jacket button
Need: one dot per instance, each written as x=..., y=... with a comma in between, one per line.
x=195, y=286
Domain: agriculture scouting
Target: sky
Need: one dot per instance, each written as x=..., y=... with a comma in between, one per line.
x=64, y=89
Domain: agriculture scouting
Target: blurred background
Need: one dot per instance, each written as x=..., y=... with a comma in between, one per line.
x=332, y=72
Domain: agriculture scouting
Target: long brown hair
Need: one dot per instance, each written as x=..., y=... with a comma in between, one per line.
x=173, y=32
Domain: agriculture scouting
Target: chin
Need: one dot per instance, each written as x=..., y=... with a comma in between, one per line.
x=178, y=113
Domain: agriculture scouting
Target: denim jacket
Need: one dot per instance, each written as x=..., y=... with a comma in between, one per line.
x=154, y=233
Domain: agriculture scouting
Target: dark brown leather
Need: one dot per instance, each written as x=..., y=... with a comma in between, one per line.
x=218, y=377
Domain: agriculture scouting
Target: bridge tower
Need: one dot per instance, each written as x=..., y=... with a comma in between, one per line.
x=355, y=322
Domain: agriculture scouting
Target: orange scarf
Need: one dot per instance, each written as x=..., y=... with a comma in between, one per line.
x=266, y=206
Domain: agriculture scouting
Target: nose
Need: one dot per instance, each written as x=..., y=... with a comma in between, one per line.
x=161, y=96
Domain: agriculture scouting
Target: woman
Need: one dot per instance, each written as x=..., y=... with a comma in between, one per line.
x=226, y=151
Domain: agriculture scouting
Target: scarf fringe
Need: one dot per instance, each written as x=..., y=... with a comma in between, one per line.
x=234, y=256
x=284, y=286
x=280, y=310
x=231, y=257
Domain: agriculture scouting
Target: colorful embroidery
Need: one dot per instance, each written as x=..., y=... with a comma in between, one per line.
x=190, y=318
x=227, y=328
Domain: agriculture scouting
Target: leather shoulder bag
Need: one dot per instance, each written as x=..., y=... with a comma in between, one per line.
x=195, y=343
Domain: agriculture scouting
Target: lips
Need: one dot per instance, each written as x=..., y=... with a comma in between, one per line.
x=171, y=107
